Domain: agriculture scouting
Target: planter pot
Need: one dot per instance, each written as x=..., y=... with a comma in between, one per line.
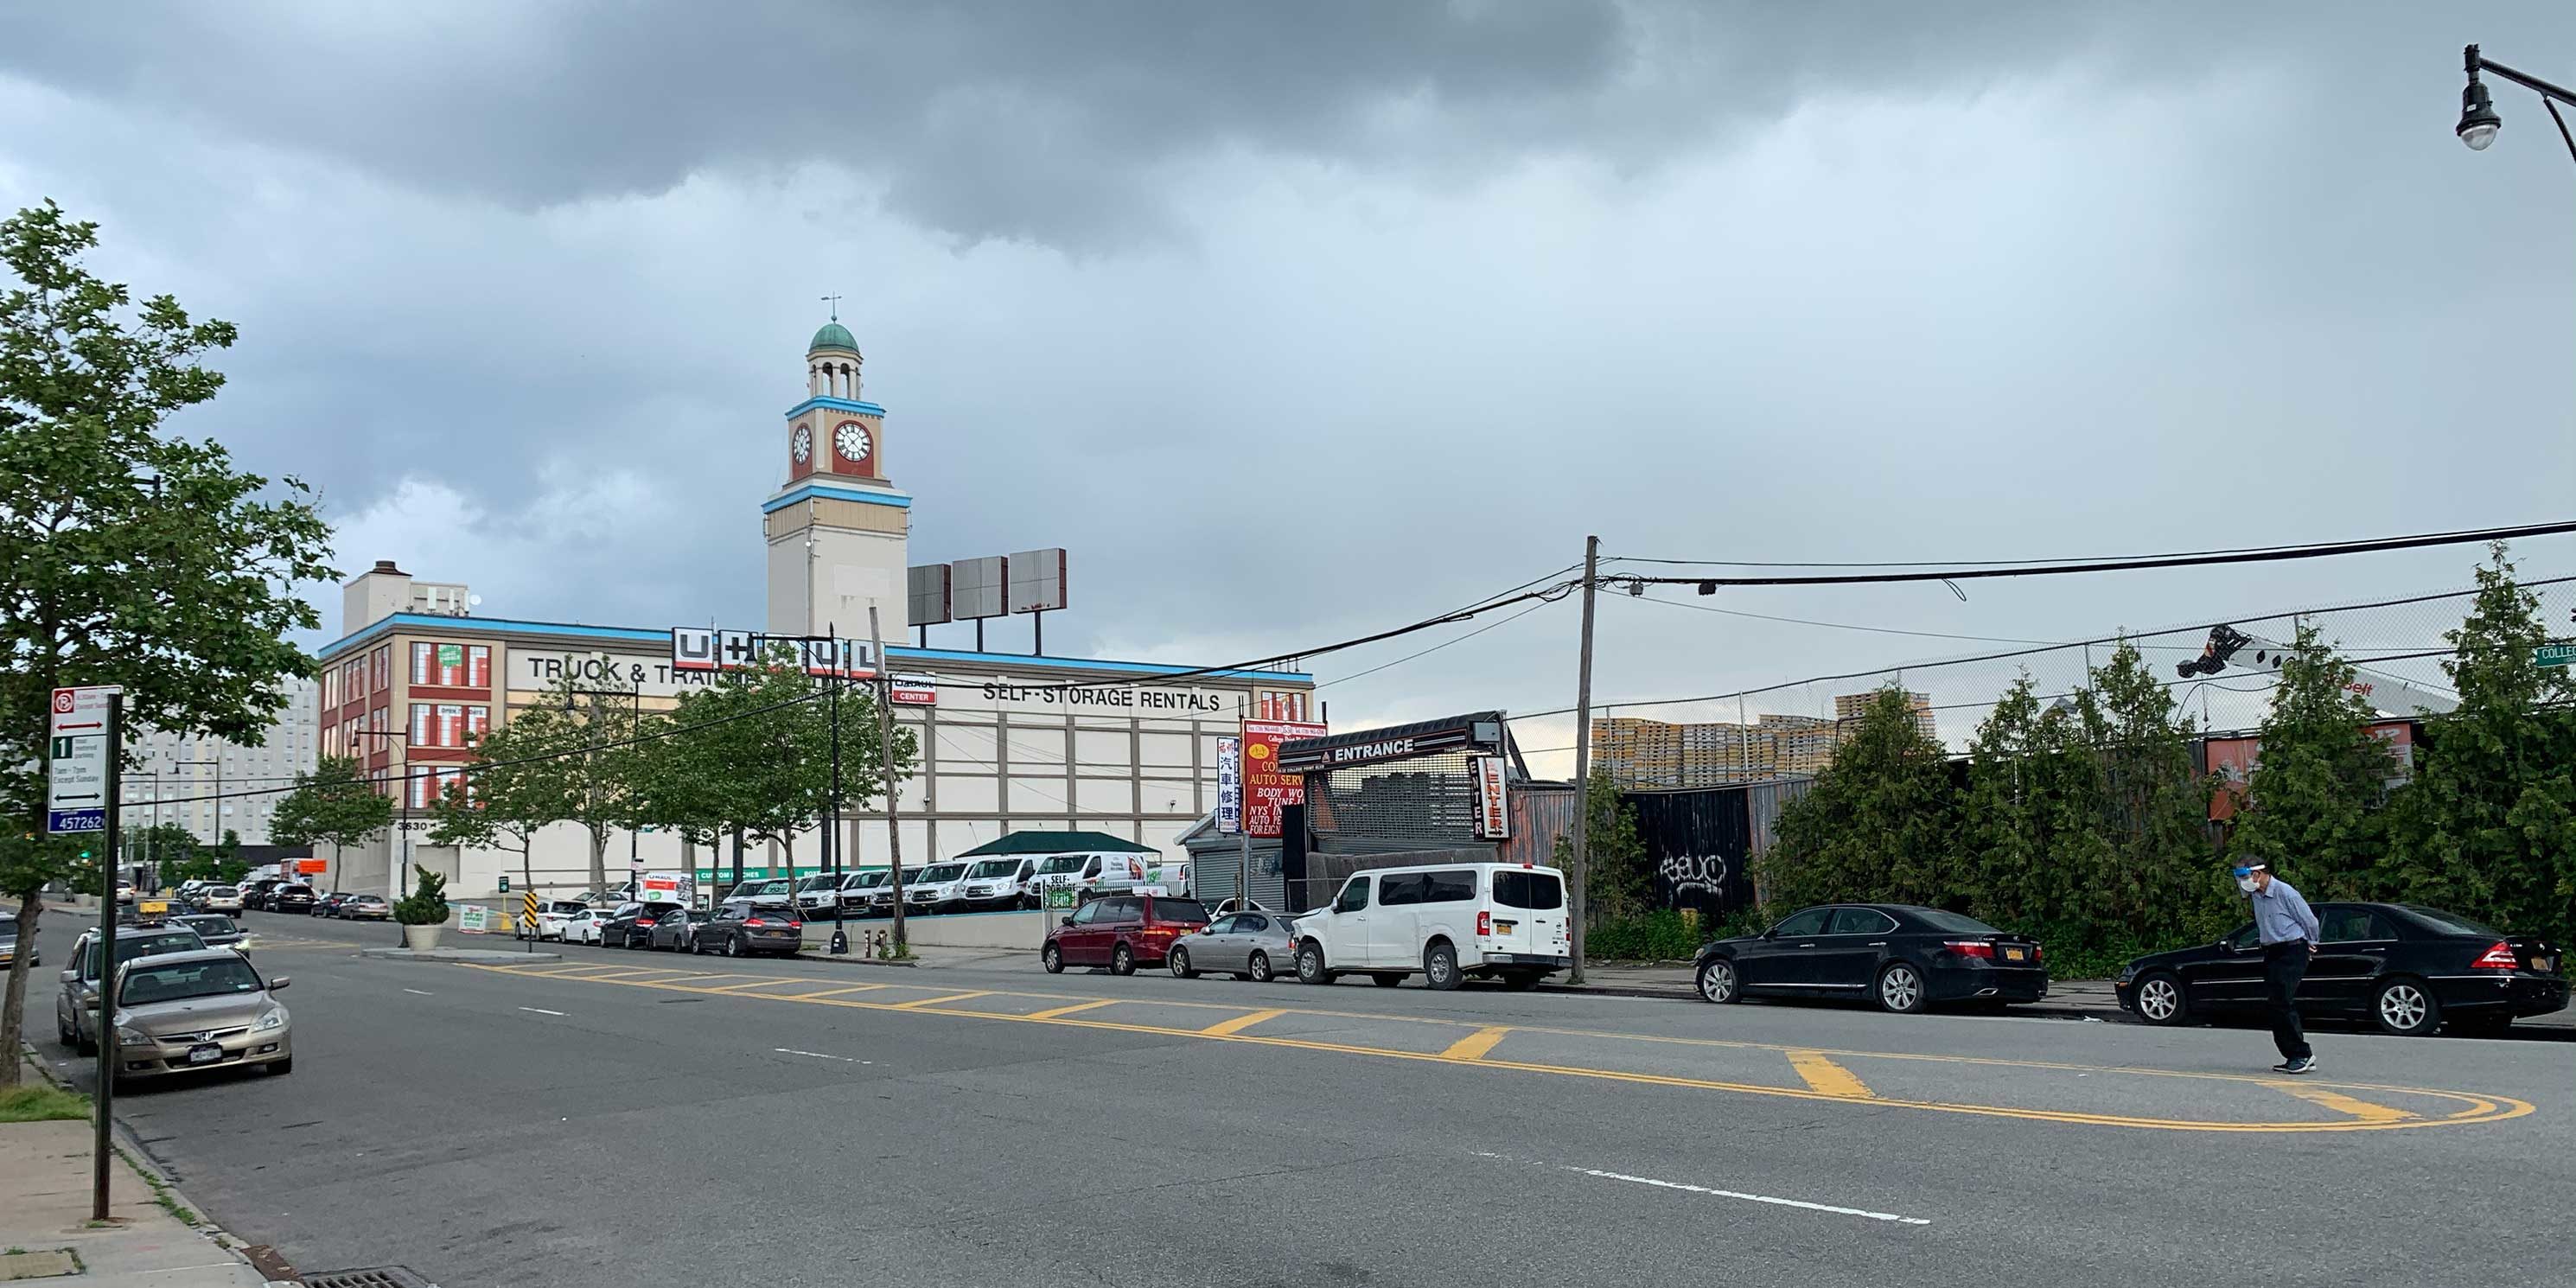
x=419, y=937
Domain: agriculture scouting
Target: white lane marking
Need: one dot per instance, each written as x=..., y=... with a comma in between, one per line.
x=540, y=1010
x=845, y=1059
x=1684, y=1187
x=420, y=992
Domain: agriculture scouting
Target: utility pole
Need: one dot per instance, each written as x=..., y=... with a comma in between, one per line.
x=885, y=763
x=1583, y=763
x=1242, y=812
x=834, y=861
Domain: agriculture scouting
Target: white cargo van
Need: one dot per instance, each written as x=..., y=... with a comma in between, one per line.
x=1451, y=922
x=1094, y=874
x=1000, y=883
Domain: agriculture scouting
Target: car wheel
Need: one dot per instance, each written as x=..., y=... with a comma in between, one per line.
x=1180, y=964
x=1900, y=988
x=732, y=946
x=1258, y=968
x=82, y=1044
x=2406, y=1008
x=1122, y=960
x=1440, y=967
x=2160, y=1000
x=1387, y=978
x=1052, y=958
x=1718, y=981
x=63, y=1030
x=1310, y=964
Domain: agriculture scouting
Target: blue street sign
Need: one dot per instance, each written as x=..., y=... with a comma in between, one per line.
x=60, y=821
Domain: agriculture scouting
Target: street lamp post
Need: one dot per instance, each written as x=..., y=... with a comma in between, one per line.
x=2478, y=119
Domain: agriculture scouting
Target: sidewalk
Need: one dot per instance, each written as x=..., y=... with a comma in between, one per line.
x=928, y=957
x=45, y=1207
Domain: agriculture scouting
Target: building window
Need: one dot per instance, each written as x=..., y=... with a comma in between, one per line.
x=427, y=789
x=467, y=666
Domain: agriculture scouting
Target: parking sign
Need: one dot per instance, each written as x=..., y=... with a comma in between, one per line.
x=76, y=760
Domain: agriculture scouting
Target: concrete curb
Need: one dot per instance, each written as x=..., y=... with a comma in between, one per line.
x=469, y=956
x=853, y=959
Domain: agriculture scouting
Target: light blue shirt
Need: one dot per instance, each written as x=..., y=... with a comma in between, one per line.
x=2281, y=914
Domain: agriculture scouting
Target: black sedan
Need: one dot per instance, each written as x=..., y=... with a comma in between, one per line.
x=1902, y=957
x=632, y=926
x=2404, y=967
x=676, y=929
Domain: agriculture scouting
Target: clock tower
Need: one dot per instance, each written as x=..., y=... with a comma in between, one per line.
x=838, y=531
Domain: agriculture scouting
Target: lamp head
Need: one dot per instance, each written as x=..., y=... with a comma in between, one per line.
x=2478, y=119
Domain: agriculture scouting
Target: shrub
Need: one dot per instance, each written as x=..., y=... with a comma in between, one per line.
x=426, y=905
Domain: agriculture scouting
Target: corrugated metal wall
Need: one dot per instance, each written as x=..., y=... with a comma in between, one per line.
x=1541, y=812
x=1702, y=840
x=1215, y=868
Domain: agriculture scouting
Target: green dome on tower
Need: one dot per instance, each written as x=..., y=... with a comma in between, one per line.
x=833, y=336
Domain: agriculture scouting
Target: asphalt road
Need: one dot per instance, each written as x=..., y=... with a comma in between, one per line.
x=632, y=1118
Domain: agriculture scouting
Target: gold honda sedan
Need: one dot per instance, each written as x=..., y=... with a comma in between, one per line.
x=178, y=1012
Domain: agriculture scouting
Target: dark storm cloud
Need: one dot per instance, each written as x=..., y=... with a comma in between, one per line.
x=1046, y=121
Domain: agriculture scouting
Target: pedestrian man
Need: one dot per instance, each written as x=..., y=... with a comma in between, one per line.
x=2288, y=929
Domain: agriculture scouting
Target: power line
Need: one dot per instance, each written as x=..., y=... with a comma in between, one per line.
x=1841, y=626
x=2465, y=533
x=1434, y=648
x=2271, y=554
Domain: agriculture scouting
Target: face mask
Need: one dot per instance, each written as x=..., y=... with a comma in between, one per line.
x=2245, y=884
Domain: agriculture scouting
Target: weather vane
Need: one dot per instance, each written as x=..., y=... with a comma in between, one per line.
x=835, y=302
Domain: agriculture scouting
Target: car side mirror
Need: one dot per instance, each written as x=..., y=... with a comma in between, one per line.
x=1064, y=921
x=70, y=977
x=279, y=982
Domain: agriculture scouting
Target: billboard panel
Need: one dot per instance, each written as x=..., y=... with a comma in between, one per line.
x=976, y=587
x=1037, y=580
x=1267, y=791
x=927, y=592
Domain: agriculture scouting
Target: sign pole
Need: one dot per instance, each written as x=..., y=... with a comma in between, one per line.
x=835, y=862
x=100, y=1148
x=1243, y=823
x=885, y=763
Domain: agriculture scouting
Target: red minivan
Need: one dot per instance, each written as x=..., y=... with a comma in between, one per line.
x=1120, y=931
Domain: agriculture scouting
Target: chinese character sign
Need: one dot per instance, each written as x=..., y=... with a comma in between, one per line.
x=1229, y=785
x=1267, y=790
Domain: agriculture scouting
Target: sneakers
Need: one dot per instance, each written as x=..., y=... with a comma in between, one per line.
x=2304, y=1064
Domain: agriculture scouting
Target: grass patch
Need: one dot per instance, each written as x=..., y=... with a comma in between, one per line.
x=161, y=1191
x=39, y=1102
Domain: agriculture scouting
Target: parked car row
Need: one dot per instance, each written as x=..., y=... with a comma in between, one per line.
x=182, y=1002
x=2405, y=968
x=737, y=927
x=1448, y=923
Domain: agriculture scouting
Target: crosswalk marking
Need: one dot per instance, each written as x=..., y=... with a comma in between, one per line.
x=1053, y=1012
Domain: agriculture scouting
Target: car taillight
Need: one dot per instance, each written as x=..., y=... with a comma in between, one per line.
x=2499, y=957
x=795, y=925
x=1971, y=948
x=1484, y=923
x=755, y=922
x=2035, y=951
x=643, y=921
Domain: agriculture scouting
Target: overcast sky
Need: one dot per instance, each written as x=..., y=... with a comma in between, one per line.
x=1293, y=322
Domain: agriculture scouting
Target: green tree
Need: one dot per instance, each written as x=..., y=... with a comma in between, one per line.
x=1618, y=882
x=128, y=556
x=173, y=850
x=522, y=780
x=2312, y=802
x=333, y=804
x=230, y=867
x=2160, y=881
x=1880, y=823
x=2489, y=824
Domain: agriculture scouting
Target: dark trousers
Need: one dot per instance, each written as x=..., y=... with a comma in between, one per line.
x=2284, y=965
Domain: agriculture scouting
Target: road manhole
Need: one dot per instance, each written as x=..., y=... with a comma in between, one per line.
x=373, y=1277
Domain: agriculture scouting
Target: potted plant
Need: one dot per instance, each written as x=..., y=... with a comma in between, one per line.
x=423, y=912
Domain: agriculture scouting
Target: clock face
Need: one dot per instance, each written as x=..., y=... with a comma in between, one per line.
x=802, y=444
x=852, y=439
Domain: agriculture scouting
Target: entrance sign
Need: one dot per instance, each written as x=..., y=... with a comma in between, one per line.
x=76, y=760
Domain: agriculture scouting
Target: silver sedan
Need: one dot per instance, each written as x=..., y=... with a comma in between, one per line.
x=1246, y=945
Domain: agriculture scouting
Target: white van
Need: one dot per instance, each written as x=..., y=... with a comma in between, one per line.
x=1092, y=874
x=1000, y=883
x=1450, y=921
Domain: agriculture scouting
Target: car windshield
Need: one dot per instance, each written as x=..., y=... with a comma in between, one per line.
x=941, y=872
x=179, y=981
x=220, y=892
x=211, y=925
x=129, y=947
x=2450, y=923
x=993, y=868
x=1062, y=864
x=817, y=883
x=868, y=880
x=1952, y=923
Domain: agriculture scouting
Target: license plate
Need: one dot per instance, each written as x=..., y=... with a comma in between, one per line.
x=2544, y=964
x=2013, y=954
x=205, y=1053
x=1506, y=927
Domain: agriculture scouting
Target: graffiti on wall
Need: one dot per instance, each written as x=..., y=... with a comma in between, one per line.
x=1693, y=877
